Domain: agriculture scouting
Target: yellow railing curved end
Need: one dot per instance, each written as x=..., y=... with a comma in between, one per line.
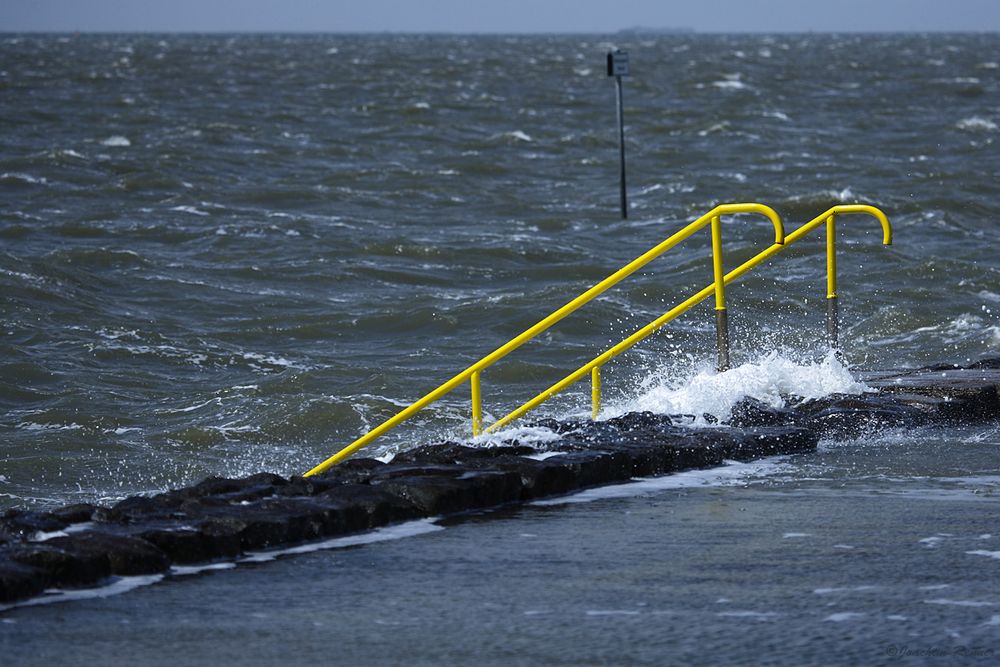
x=766, y=211
x=865, y=209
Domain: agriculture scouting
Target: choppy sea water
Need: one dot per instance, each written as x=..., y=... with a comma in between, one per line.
x=228, y=253
x=223, y=254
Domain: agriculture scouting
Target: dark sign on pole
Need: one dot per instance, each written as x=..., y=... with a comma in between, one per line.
x=618, y=63
x=618, y=66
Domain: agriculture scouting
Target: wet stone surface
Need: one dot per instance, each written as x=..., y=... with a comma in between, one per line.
x=220, y=519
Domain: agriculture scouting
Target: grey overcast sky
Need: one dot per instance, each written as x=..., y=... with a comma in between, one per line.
x=503, y=16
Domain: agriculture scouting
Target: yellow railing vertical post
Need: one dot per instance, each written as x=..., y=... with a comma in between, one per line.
x=831, y=258
x=832, y=305
x=477, y=403
x=595, y=392
x=721, y=317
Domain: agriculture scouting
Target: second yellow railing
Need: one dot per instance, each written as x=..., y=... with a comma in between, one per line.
x=593, y=367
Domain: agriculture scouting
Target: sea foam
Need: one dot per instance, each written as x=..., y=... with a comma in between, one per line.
x=769, y=379
x=116, y=140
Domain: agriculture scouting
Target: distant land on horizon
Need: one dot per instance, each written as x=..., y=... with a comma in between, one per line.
x=645, y=30
x=633, y=31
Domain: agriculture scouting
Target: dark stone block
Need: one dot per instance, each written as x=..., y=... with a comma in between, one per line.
x=590, y=468
x=137, y=509
x=855, y=423
x=78, y=513
x=142, y=509
x=364, y=506
x=537, y=478
x=302, y=519
x=220, y=537
x=453, y=453
x=940, y=367
x=248, y=529
x=547, y=479
x=590, y=435
x=62, y=567
x=852, y=416
x=700, y=450
x=246, y=494
x=309, y=486
x=978, y=406
x=254, y=487
x=971, y=394
x=560, y=427
x=936, y=409
x=186, y=545
x=124, y=555
x=351, y=471
x=24, y=524
x=647, y=457
x=750, y=412
x=755, y=443
x=445, y=494
x=843, y=402
x=263, y=530
x=217, y=486
x=359, y=464
x=423, y=469
x=18, y=581
x=640, y=421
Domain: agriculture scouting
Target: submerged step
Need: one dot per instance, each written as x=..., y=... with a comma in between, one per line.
x=221, y=519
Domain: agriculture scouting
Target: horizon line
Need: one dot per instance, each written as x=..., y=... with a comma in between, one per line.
x=679, y=32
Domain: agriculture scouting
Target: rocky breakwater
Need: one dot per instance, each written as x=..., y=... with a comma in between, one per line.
x=221, y=519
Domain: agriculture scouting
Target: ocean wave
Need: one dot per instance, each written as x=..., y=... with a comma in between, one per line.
x=116, y=140
x=770, y=379
x=810, y=204
x=514, y=136
x=20, y=178
x=976, y=124
x=730, y=84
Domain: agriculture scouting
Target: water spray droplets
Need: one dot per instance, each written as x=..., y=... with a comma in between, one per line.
x=770, y=379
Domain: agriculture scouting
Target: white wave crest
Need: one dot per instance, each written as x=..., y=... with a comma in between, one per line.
x=768, y=379
x=116, y=140
x=514, y=135
x=976, y=124
x=22, y=178
x=730, y=85
x=190, y=209
x=525, y=435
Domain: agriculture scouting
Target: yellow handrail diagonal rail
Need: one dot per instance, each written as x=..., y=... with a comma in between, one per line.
x=711, y=217
x=594, y=365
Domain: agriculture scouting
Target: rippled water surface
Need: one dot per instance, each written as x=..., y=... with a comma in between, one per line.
x=222, y=254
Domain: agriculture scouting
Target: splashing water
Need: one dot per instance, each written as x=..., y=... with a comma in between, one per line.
x=769, y=379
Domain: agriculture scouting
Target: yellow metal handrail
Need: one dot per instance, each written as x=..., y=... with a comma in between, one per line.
x=718, y=287
x=473, y=372
x=713, y=217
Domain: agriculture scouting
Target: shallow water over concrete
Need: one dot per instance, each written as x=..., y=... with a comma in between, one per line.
x=859, y=553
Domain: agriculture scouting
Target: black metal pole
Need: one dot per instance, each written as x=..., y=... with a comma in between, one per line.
x=722, y=338
x=832, y=322
x=621, y=147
